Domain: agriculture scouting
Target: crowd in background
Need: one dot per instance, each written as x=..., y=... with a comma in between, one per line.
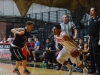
x=48, y=52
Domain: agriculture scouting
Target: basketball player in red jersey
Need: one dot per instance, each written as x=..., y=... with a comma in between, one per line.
x=68, y=44
x=25, y=51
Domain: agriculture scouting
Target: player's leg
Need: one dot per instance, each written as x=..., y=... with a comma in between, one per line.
x=63, y=59
x=16, y=70
x=77, y=61
x=14, y=56
x=26, y=71
x=85, y=70
x=80, y=64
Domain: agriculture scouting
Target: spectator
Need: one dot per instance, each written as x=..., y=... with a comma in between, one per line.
x=30, y=45
x=10, y=39
x=81, y=45
x=34, y=36
x=36, y=48
x=4, y=40
x=85, y=54
x=48, y=54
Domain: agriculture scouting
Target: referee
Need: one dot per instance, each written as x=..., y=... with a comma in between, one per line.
x=94, y=40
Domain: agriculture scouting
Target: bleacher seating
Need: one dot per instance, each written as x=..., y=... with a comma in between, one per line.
x=5, y=50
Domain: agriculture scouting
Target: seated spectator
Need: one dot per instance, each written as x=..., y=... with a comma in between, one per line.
x=85, y=54
x=48, y=54
x=10, y=39
x=30, y=46
x=36, y=48
x=30, y=43
x=4, y=40
x=81, y=45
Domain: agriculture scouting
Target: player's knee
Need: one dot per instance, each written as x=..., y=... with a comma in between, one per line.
x=59, y=60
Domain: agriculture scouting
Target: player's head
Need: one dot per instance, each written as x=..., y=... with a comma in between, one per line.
x=56, y=29
x=29, y=26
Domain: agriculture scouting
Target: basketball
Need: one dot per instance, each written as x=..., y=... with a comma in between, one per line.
x=74, y=53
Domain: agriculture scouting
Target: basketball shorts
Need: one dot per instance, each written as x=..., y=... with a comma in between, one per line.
x=16, y=54
x=64, y=55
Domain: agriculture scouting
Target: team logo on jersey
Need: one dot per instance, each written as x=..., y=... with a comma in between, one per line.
x=60, y=40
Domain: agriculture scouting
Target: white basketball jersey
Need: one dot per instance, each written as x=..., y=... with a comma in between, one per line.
x=67, y=44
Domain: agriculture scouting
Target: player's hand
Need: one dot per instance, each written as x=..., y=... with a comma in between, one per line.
x=57, y=50
x=99, y=42
x=56, y=53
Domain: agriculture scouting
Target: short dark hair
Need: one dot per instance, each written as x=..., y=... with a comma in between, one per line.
x=29, y=23
x=95, y=9
x=57, y=26
x=48, y=39
x=81, y=39
x=66, y=15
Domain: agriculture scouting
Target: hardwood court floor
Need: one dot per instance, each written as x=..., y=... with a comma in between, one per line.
x=6, y=69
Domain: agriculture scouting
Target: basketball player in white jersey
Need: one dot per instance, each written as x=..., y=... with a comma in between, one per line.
x=68, y=44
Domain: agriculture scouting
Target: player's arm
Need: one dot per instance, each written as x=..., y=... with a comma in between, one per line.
x=56, y=42
x=56, y=45
x=65, y=37
x=19, y=31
